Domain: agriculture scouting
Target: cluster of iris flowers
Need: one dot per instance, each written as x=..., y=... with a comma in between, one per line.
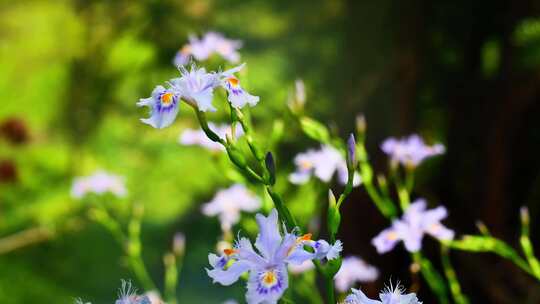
x=279, y=248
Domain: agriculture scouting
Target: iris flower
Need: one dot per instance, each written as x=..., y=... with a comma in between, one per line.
x=322, y=163
x=209, y=44
x=99, y=183
x=128, y=295
x=410, y=151
x=228, y=203
x=237, y=96
x=354, y=269
x=197, y=87
x=415, y=222
x=388, y=296
x=164, y=106
x=267, y=264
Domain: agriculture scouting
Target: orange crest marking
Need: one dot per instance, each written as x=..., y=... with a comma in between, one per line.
x=229, y=251
x=306, y=237
x=233, y=81
x=167, y=98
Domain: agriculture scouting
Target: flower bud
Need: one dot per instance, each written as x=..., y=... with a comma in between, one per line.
x=524, y=214
x=482, y=227
x=333, y=217
x=297, y=100
x=236, y=157
x=271, y=167
x=361, y=124
x=179, y=243
x=300, y=90
x=351, y=153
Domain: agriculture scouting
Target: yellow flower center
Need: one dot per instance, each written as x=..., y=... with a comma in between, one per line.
x=392, y=236
x=434, y=227
x=233, y=81
x=167, y=98
x=186, y=49
x=306, y=165
x=269, y=278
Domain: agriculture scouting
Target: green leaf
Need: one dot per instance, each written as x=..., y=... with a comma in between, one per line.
x=315, y=130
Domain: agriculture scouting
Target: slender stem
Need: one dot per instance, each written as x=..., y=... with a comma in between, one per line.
x=140, y=271
x=409, y=178
x=403, y=193
x=134, y=249
x=204, y=125
x=330, y=295
x=526, y=244
x=24, y=238
x=283, y=212
x=385, y=205
x=431, y=276
x=346, y=192
x=453, y=283
x=171, y=277
x=474, y=243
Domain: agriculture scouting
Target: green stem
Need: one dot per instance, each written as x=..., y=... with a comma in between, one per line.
x=526, y=244
x=385, y=205
x=141, y=273
x=283, y=212
x=403, y=193
x=455, y=288
x=24, y=238
x=134, y=249
x=474, y=243
x=330, y=295
x=409, y=179
x=204, y=125
x=171, y=277
x=432, y=277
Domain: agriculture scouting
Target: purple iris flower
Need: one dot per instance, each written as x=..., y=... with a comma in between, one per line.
x=266, y=263
x=410, y=151
x=164, y=105
x=411, y=228
x=391, y=295
x=322, y=163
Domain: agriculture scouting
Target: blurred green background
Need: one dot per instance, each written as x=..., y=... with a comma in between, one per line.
x=466, y=74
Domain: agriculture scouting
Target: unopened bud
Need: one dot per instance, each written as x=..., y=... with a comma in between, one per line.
x=236, y=157
x=271, y=167
x=415, y=267
x=169, y=259
x=334, y=217
x=351, y=153
x=297, y=100
x=361, y=124
x=331, y=198
x=482, y=227
x=179, y=243
x=525, y=217
x=381, y=179
x=300, y=90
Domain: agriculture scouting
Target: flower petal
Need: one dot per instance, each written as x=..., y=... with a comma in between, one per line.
x=269, y=237
x=230, y=275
